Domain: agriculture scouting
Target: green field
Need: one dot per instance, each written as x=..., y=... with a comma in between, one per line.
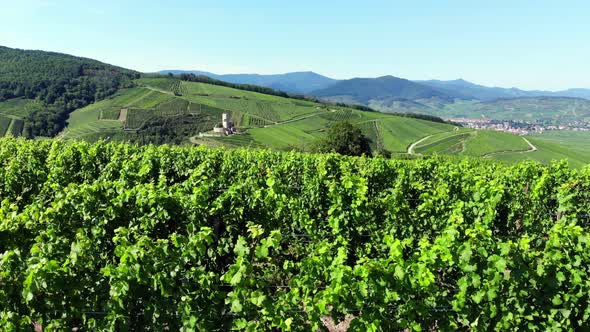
x=485, y=142
x=471, y=142
x=574, y=140
x=398, y=133
x=507, y=147
x=153, y=99
x=446, y=143
x=573, y=146
x=385, y=131
x=549, y=152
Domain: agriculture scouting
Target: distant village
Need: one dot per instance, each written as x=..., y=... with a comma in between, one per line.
x=518, y=127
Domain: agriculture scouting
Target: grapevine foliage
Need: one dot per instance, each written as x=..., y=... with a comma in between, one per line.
x=116, y=237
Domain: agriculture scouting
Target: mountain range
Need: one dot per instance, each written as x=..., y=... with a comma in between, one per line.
x=485, y=93
x=297, y=82
x=363, y=90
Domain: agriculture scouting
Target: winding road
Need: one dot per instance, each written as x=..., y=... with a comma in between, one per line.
x=413, y=145
x=532, y=149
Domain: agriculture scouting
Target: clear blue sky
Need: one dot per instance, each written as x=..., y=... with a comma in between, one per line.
x=529, y=44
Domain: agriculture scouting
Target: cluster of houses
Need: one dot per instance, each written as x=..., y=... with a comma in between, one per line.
x=514, y=127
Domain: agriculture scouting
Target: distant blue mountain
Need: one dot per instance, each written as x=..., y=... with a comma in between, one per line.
x=576, y=93
x=364, y=89
x=298, y=82
x=485, y=93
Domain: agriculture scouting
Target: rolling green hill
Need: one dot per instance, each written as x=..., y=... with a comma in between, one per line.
x=39, y=92
x=477, y=143
x=163, y=110
x=575, y=140
x=167, y=110
x=42, y=92
x=506, y=147
x=549, y=152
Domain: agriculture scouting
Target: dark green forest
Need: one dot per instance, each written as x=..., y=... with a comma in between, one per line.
x=63, y=83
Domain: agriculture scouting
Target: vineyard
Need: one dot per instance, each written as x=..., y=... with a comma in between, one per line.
x=109, y=114
x=4, y=124
x=449, y=142
x=372, y=130
x=254, y=121
x=173, y=107
x=176, y=88
x=340, y=115
x=138, y=118
x=16, y=127
x=115, y=237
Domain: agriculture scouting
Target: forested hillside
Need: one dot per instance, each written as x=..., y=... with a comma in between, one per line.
x=298, y=82
x=363, y=90
x=62, y=83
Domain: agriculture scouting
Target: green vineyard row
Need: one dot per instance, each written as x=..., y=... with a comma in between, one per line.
x=115, y=237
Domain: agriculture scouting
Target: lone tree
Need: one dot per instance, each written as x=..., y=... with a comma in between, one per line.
x=344, y=138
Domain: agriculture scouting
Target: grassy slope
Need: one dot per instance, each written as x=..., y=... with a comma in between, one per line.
x=555, y=145
x=485, y=142
x=547, y=153
x=98, y=117
x=87, y=121
x=398, y=133
x=446, y=142
x=272, y=108
x=390, y=132
x=498, y=145
x=18, y=108
x=574, y=140
x=11, y=113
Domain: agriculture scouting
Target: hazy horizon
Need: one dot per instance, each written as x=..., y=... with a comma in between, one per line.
x=504, y=44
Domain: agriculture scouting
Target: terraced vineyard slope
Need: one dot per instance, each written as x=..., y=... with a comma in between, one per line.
x=167, y=110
